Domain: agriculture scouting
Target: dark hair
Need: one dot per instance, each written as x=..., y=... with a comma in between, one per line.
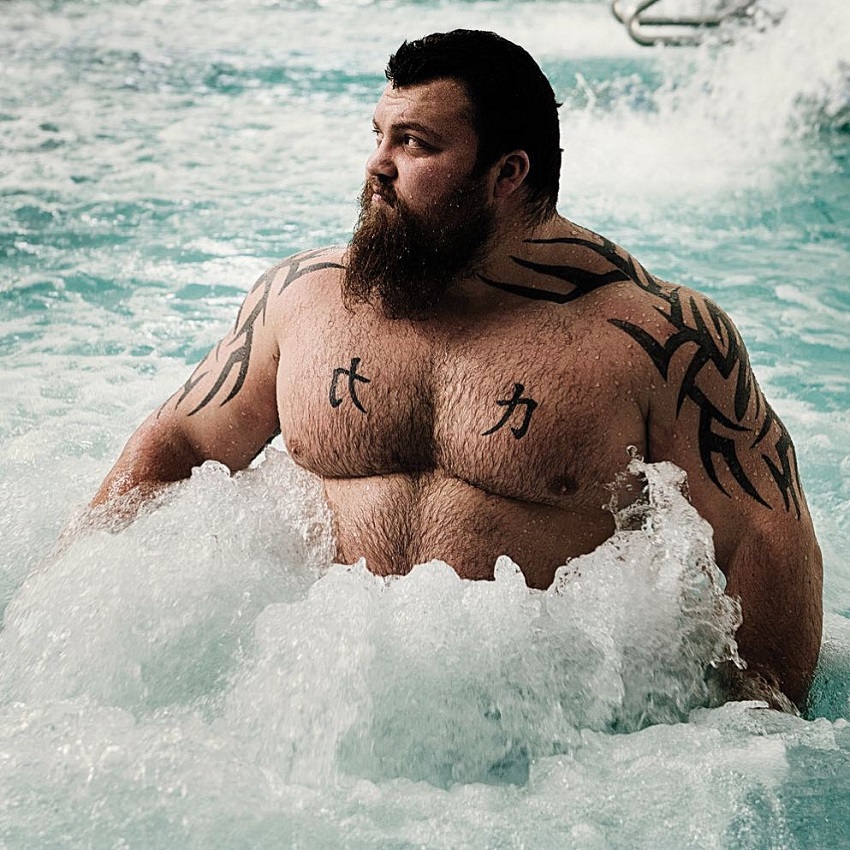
x=514, y=107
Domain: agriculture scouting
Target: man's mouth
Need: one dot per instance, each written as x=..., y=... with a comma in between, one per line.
x=382, y=194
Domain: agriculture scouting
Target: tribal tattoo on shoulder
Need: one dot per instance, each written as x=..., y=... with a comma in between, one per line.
x=712, y=340
x=242, y=335
x=624, y=267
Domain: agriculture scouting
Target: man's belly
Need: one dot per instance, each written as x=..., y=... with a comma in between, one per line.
x=397, y=521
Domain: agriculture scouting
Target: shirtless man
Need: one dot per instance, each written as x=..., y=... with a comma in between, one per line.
x=470, y=374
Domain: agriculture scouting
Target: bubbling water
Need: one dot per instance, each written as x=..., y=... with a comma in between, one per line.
x=211, y=651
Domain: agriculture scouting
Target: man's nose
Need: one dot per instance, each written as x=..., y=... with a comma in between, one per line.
x=381, y=163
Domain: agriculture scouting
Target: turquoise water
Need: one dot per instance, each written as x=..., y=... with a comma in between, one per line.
x=206, y=678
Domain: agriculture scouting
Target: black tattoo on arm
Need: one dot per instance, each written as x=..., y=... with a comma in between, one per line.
x=716, y=342
x=510, y=405
x=239, y=358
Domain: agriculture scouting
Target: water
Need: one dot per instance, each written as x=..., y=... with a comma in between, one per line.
x=206, y=678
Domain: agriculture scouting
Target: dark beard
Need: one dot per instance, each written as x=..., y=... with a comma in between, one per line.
x=409, y=261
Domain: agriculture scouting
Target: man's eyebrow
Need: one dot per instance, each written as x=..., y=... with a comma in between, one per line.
x=403, y=126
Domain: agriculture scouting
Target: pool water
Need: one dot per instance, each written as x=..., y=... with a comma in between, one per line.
x=207, y=678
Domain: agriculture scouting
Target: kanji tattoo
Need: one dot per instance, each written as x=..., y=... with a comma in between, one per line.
x=510, y=405
x=353, y=377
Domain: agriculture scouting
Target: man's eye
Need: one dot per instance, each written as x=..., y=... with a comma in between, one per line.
x=413, y=142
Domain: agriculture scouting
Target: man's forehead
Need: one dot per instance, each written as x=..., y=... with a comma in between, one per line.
x=442, y=101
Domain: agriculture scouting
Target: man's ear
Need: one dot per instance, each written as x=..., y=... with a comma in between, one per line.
x=512, y=170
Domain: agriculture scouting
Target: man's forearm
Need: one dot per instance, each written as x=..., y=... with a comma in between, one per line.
x=152, y=458
x=778, y=577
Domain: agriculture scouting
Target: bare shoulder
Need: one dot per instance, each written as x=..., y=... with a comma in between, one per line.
x=306, y=269
x=689, y=369
x=690, y=373
x=240, y=370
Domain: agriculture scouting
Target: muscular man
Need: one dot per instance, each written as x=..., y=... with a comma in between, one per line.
x=471, y=372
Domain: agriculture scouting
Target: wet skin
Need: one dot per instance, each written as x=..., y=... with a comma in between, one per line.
x=502, y=422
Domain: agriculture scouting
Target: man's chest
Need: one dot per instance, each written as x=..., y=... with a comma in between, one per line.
x=516, y=414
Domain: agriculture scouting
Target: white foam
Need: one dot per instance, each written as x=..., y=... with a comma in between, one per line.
x=208, y=665
x=212, y=584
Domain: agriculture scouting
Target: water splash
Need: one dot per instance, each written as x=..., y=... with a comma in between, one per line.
x=720, y=121
x=207, y=676
x=219, y=598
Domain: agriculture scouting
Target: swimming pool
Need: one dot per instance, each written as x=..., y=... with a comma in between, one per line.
x=205, y=679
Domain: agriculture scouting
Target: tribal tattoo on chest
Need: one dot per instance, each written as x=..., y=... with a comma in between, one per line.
x=703, y=333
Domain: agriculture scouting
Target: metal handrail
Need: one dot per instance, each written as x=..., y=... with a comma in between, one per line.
x=635, y=22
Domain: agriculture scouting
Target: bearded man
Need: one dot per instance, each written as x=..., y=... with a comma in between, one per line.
x=470, y=375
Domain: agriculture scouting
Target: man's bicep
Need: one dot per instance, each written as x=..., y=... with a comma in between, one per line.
x=227, y=408
x=748, y=489
x=708, y=413
x=766, y=547
x=776, y=572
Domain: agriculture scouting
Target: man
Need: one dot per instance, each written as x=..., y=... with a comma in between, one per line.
x=471, y=374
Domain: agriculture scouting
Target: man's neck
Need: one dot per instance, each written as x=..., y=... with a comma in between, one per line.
x=511, y=237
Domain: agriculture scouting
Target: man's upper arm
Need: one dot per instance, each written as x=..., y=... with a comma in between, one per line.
x=227, y=409
x=710, y=417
